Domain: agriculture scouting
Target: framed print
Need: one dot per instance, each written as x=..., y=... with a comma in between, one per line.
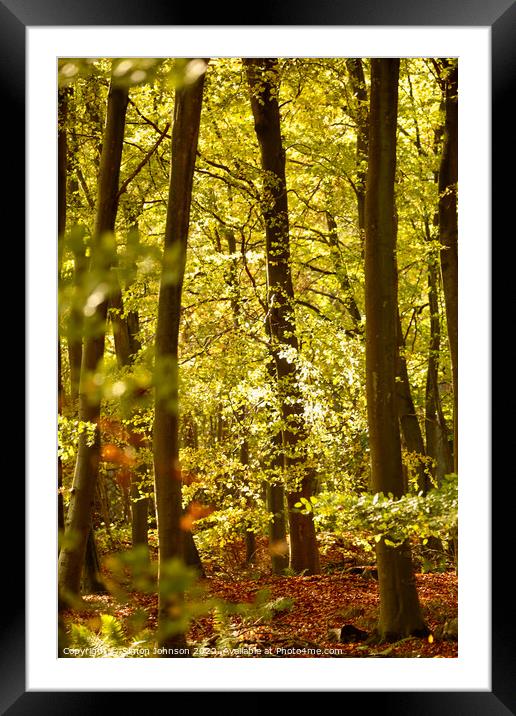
x=35, y=36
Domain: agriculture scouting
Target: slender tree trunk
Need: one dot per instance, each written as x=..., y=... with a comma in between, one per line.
x=60, y=501
x=409, y=422
x=232, y=283
x=275, y=491
x=75, y=323
x=278, y=546
x=358, y=85
x=126, y=329
x=62, y=163
x=263, y=85
x=250, y=535
x=78, y=521
x=342, y=274
x=75, y=327
x=448, y=232
x=436, y=433
x=400, y=613
x=167, y=472
x=436, y=430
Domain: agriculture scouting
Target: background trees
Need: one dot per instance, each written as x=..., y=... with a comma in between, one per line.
x=245, y=282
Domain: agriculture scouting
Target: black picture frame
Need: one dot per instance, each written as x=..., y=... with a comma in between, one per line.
x=500, y=16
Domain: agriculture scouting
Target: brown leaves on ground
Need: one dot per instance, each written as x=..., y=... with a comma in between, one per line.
x=321, y=603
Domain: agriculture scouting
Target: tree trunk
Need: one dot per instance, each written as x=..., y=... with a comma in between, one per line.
x=358, y=85
x=275, y=495
x=262, y=75
x=448, y=232
x=278, y=546
x=92, y=580
x=75, y=325
x=250, y=535
x=86, y=469
x=126, y=330
x=436, y=431
x=167, y=472
x=409, y=422
x=400, y=613
x=232, y=283
x=62, y=163
x=60, y=500
x=342, y=274
x=139, y=513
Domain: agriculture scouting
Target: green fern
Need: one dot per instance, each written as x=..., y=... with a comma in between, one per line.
x=109, y=641
x=112, y=632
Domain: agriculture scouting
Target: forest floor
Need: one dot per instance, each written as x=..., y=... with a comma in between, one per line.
x=317, y=605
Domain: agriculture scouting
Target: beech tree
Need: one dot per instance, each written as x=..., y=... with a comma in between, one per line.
x=400, y=613
x=62, y=160
x=448, y=227
x=262, y=76
x=167, y=471
x=127, y=345
x=78, y=519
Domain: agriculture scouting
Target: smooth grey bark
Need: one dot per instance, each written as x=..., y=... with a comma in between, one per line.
x=262, y=77
x=78, y=520
x=400, y=613
x=167, y=472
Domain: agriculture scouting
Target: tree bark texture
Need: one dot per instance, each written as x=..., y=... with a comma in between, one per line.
x=409, y=421
x=359, y=88
x=342, y=274
x=86, y=469
x=448, y=231
x=92, y=579
x=400, y=613
x=167, y=472
x=62, y=161
x=126, y=329
x=436, y=430
x=262, y=76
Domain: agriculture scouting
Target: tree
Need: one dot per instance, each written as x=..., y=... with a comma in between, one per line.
x=62, y=161
x=167, y=472
x=409, y=422
x=400, y=613
x=127, y=345
x=358, y=84
x=448, y=228
x=262, y=76
x=78, y=520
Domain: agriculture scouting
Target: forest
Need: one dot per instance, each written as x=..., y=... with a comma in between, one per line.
x=257, y=357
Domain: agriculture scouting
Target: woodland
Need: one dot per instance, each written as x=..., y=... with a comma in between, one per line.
x=257, y=357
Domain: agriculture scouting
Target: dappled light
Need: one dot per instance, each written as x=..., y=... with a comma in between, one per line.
x=257, y=429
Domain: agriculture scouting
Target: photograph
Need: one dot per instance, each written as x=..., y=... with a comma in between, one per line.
x=258, y=338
